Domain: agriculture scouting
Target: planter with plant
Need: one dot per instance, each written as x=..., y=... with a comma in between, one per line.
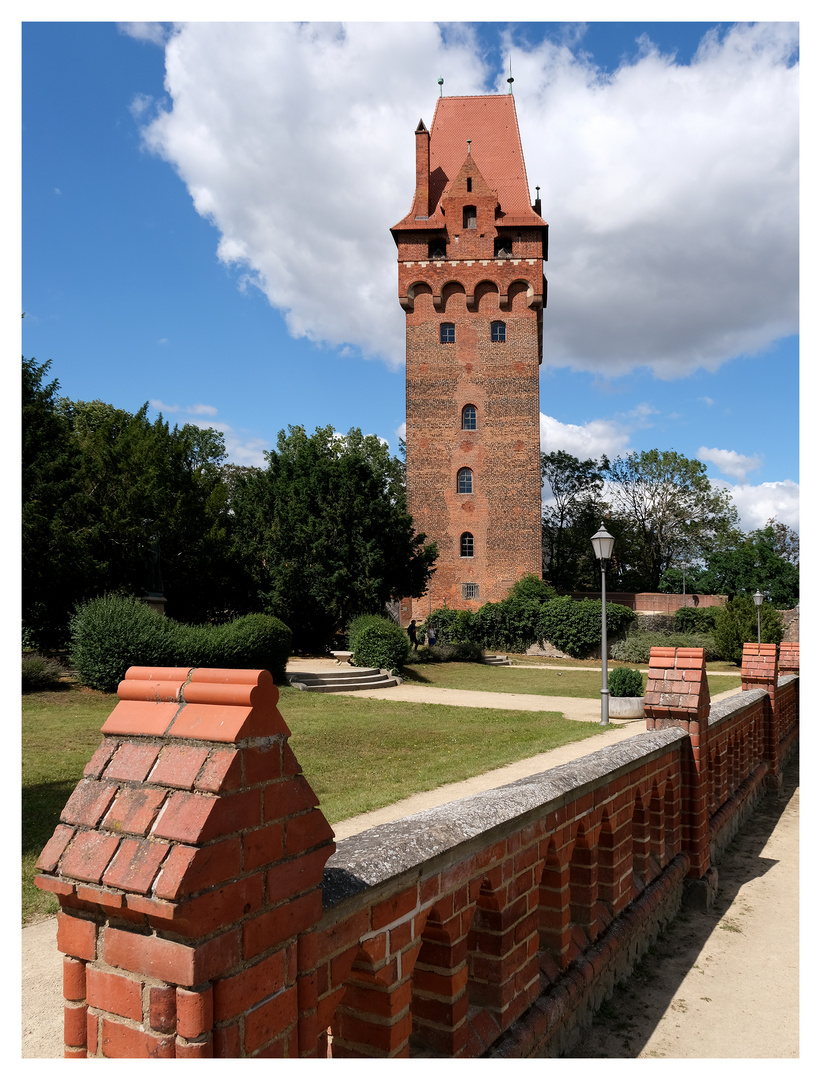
x=626, y=686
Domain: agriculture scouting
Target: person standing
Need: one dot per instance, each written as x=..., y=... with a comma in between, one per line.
x=412, y=634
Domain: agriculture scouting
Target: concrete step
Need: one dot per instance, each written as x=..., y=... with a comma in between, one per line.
x=497, y=661
x=329, y=682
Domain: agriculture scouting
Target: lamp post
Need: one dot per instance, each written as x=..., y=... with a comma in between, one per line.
x=684, y=583
x=757, y=598
x=603, y=547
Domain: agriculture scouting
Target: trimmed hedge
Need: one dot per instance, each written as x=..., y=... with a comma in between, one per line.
x=625, y=682
x=465, y=652
x=378, y=642
x=451, y=626
x=110, y=634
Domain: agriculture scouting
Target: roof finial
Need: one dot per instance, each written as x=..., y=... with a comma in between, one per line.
x=441, y=81
x=469, y=142
x=510, y=78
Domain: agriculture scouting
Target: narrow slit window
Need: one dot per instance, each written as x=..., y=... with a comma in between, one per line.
x=498, y=331
x=464, y=482
x=470, y=183
x=447, y=333
x=469, y=217
x=469, y=418
x=466, y=546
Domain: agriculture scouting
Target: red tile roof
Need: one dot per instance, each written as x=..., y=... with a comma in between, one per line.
x=489, y=121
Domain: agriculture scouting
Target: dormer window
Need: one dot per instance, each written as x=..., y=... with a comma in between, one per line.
x=502, y=247
x=469, y=217
x=436, y=249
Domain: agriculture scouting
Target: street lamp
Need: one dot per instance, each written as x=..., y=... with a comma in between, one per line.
x=757, y=597
x=603, y=547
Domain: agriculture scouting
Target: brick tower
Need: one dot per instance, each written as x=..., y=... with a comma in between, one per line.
x=471, y=283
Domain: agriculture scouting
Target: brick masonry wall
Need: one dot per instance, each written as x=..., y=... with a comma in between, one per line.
x=204, y=911
x=500, y=379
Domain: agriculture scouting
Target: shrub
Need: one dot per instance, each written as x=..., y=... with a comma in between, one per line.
x=736, y=623
x=531, y=587
x=635, y=648
x=625, y=682
x=462, y=651
x=378, y=642
x=692, y=620
x=40, y=672
x=511, y=624
x=574, y=626
x=111, y=633
x=451, y=625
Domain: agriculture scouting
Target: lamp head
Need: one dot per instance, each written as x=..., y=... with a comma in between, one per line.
x=757, y=598
x=603, y=543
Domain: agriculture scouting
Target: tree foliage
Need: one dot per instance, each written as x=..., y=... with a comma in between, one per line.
x=676, y=513
x=736, y=623
x=570, y=517
x=325, y=532
x=103, y=491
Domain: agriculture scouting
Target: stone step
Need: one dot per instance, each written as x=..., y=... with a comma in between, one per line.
x=328, y=682
x=497, y=661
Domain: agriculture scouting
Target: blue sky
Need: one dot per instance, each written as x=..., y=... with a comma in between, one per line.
x=206, y=212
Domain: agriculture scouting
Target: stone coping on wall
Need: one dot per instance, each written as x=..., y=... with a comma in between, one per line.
x=381, y=854
x=720, y=710
x=785, y=680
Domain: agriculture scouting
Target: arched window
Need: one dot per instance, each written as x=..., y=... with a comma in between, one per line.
x=469, y=418
x=466, y=545
x=464, y=482
x=447, y=333
x=468, y=217
x=498, y=331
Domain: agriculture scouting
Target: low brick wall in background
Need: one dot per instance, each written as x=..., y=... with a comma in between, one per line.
x=205, y=910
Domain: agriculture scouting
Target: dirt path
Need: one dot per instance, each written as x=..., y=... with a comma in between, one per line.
x=722, y=984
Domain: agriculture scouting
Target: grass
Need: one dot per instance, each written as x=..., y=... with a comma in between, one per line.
x=358, y=754
x=511, y=680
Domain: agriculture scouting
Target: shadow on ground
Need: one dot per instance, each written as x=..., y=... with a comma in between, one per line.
x=625, y=1023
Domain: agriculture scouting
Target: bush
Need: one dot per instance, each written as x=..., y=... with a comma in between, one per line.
x=462, y=651
x=635, y=648
x=378, y=642
x=451, y=626
x=736, y=623
x=511, y=625
x=574, y=626
x=625, y=682
x=693, y=620
x=113, y=633
x=40, y=672
x=531, y=587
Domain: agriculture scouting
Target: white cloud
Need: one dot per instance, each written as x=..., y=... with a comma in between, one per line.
x=160, y=406
x=707, y=400
x=154, y=32
x=139, y=106
x=730, y=462
x=401, y=431
x=757, y=503
x=583, y=441
x=671, y=190
x=202, y=410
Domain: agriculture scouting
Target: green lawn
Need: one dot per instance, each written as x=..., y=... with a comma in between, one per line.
x=514, y=680
x=358, y=754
